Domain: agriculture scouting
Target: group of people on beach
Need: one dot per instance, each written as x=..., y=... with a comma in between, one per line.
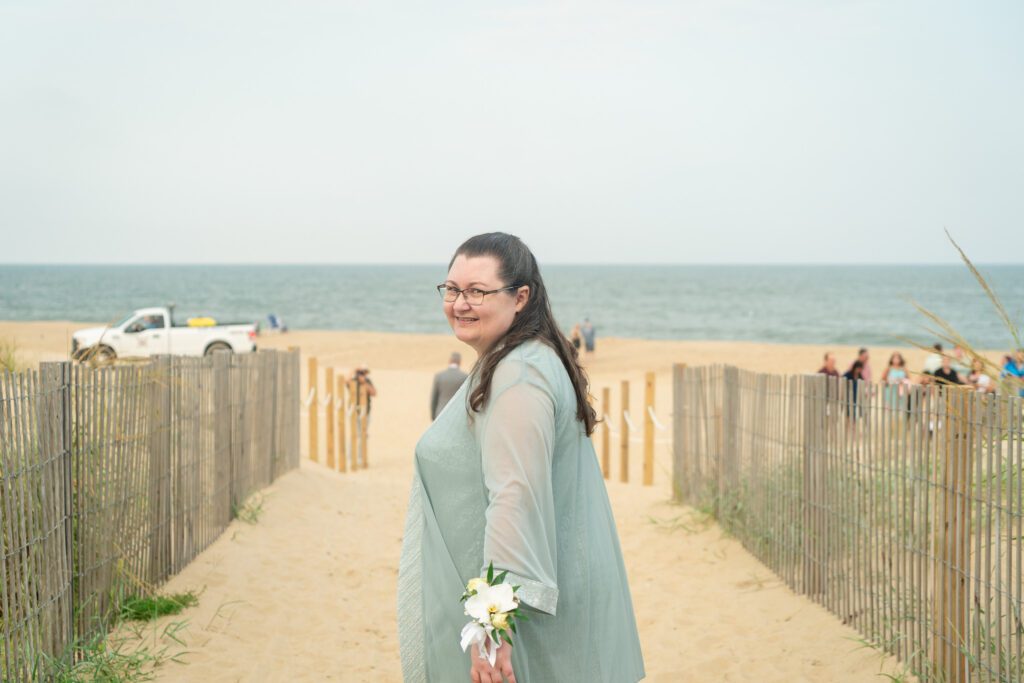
x=583, y=332
x=939, y=368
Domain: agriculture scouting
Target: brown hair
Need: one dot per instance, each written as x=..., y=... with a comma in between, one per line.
x=517, y=266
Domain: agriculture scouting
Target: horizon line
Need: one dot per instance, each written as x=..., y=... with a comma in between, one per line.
x=553, y=263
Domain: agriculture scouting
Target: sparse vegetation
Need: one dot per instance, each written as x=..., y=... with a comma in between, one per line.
x=946, y=332
x=249, y=511
x=9, y=355
x=125, y=658
x=147, y=608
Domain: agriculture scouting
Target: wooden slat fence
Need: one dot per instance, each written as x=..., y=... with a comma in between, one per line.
x=113, y=479
x=899, y=509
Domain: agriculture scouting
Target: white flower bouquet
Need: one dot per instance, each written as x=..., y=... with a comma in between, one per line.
x=494, y=609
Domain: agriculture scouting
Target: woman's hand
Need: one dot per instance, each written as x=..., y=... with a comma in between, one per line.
x=481, y=670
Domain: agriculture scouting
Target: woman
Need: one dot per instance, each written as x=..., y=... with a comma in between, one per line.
x=979, y=379
x=507, y=475
x=895, y=378
x=855, y=377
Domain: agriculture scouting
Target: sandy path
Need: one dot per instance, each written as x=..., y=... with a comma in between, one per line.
x=314, y=582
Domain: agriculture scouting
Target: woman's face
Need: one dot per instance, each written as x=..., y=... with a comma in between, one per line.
x=481, y=326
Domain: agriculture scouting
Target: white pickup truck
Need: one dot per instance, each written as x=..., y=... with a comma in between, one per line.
x=151, y=331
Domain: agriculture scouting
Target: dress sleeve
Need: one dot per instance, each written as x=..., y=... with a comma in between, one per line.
x=517, y=441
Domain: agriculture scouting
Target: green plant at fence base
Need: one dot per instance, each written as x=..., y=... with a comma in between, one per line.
x=109, y=656
x=9, y=356
x=103, y=659
x=692, y=523
x=903, y=674
x=147, y=608
x=249, y=511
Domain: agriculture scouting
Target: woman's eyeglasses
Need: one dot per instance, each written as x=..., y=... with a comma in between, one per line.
x=472, y=295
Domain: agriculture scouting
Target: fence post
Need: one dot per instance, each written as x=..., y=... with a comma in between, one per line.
x=314, y=408
x=329, y=416
x=294, y=420
x=353, y=425
x=274, y=361
x=339, y=406
x=159, y=420
x=814, y=478
x=726, y=451
x=648, y=429
x=678, y=404
x=364, y=419
x=624, y=435
x=66, y=438
x=222, y=431
x=606, y=459
x=722, y=478
x=55, y=437
x=952, y=534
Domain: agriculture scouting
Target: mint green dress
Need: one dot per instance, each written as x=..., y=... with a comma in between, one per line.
x=517, y=484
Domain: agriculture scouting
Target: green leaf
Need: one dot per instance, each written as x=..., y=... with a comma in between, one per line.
x=490, y=573
x=500, y=577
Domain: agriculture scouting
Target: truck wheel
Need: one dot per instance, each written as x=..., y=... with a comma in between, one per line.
x=99, y=355
x=217, y=346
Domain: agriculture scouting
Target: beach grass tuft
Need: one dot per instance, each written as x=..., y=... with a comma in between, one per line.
x=124, y=659
x=251, y=510
x=147, y=608
x=948, y=334
x=9, y=355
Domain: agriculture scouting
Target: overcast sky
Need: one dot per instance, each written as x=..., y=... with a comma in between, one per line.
x=681, y=131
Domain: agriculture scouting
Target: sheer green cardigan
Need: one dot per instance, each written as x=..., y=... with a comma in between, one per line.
x=518, y=485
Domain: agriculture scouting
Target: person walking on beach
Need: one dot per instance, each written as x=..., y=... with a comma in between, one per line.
x=588, y=332
x=946, y=374
x=364, y=385
x=1013, y=370
x=960, y=364
x=934, y=360
x=979, y=379
x=446, y=383
x=865, y=366
x=829, y=368
x=854, y=375
x=508, y=477
x=896, y=378
x=575, y=336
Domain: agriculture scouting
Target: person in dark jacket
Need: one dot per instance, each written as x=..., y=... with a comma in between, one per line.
x=446, y=383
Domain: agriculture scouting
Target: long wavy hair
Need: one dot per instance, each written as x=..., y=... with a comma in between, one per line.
x=517, y=266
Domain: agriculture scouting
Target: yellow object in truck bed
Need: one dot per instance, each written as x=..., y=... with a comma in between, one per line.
x=201, y=322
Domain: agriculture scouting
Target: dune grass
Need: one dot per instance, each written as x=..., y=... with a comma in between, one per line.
x=147, y=608
x=9, y=355
x=944, y=331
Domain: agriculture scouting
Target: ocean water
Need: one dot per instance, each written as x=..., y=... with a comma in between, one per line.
x=869, y=305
